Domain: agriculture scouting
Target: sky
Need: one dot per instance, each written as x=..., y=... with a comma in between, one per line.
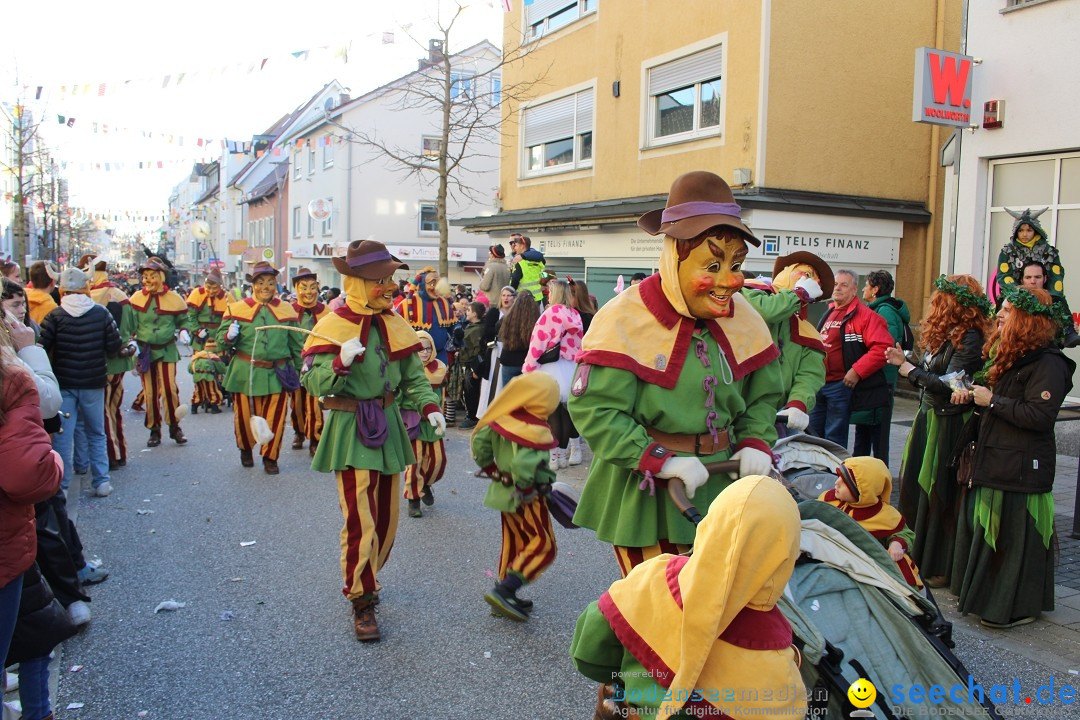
x=196, y=70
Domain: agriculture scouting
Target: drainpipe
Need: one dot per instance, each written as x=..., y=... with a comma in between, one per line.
x=935, y=168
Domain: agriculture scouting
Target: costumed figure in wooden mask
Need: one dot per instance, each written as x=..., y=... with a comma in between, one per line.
x=307, y=416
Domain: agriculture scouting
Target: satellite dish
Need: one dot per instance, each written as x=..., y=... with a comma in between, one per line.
x=319, y=209
x=200, y=230
x=327, y=106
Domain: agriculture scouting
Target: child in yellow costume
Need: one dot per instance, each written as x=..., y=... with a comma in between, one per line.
x=863, y=490
x=701, y=635
x=206, y=368
x=511, y=443
x=427, y=445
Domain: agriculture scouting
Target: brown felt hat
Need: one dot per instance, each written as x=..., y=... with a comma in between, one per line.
x=214, y=275
x=153, y=263
x=697, y=201
x=802, y=257
x=304, y=274
x=368, y=259
x=261, y=268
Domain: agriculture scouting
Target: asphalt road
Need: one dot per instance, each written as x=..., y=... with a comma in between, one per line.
x=288, y=650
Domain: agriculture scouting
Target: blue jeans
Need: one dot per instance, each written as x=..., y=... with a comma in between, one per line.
x=80, y=456
x=87, y=405
x=10, y=595
x=509, y=372
x=831, y=413
x=34, y=688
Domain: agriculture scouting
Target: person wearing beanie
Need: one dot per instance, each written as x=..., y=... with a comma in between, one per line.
x=427, y=445
x=362, y=372
x=863, y=491
x=39, y=299
x=307, y=415
x=79, y=336
x=675, y=372
x=160, y=313
x=261, y=375
x=206, y=306
x=511, y=443
x=496, y=274
x=207, y=371
x=104, y=292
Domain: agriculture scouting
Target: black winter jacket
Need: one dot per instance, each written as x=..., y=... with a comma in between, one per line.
x=78, y=346
x=927, y=376
x=1016, y=450
x=43, y=622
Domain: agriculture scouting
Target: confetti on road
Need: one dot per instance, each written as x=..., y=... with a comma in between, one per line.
x=76, y=668
x=169, y=605
x=74, y=706
x=247, y=543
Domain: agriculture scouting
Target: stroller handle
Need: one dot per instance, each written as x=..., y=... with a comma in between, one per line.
x=677, y=491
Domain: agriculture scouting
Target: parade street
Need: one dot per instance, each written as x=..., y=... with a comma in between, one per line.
x=178, y=527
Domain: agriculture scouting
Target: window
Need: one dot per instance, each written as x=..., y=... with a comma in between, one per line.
x=545, y=16
x=429, y=222
x=558, y=135
x=496, y=90
x=686, y=97
x=297, y=164
x=327, y=151
x=296, y=222
x=328, y=223
x=310, y=226
x=430, y=147
x=310, y=158
x=462, y=84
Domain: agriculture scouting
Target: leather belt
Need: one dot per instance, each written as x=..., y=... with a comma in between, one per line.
x=154, y=346
x=699, y=444
x=267, y=364
x=348, y=404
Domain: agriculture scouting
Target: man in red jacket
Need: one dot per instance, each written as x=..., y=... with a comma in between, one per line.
x=855, y=339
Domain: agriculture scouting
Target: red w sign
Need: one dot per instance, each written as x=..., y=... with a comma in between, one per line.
x=942, y=88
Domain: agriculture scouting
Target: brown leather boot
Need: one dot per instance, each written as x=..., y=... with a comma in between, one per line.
x=297, y=441
x=270, y=466
x=177, y=434
x=367, y=630
x=155, y=437
x=312, y=447
x=246, y=458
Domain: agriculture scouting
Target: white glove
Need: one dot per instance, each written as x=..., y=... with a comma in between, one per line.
x=438, y=422
x=811, y=286
x=350, y=350
x=797, y=420
x=185, y=337
x=201, y=333
x=234, y=330
x=688, y=469
x=753, y=462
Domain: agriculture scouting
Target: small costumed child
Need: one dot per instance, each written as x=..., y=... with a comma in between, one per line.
x=863, y=489
x=427, y=444
x=511, y=443
x=206, y=368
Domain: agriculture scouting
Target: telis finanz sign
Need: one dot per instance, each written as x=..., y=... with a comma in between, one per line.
x=942, y=88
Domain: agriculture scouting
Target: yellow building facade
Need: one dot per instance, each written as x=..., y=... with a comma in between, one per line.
x=803, y=107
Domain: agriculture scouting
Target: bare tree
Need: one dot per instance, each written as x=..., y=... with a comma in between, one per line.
x=24, y=165
x=470, y=109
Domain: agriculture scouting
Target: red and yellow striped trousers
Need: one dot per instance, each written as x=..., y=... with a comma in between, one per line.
x=369, y=504
x=207, y=391
x=273, y=408
x=427, y=470
x=114, y=423
x=528, y=542
x=160, y=382
x=307, y=414
x=630, y=557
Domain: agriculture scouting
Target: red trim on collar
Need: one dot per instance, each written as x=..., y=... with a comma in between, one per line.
x=652, y=294
x=674, y=566
x=804, y=341
x=759, y=630
x=518, y=440
x=752, y=363
x=314, y=309
x=633, y=642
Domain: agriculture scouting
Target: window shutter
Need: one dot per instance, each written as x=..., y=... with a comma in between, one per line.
x=541, y=9
x=548, y=122
x=704, y=65
x=584, y=112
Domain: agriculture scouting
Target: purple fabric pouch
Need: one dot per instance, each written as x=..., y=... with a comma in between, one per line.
x=143, y=363
x=371, y=427
x=411, y=418
x=286, y=375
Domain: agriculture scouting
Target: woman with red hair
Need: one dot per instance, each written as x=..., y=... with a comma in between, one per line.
x=1004, y=565
x=951, y=340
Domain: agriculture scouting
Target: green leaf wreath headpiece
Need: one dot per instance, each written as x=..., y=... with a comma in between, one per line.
x=1025, y=301
x=964, y=295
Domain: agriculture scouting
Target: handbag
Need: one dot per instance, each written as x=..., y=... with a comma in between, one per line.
x=550, y=355
x=965, y=465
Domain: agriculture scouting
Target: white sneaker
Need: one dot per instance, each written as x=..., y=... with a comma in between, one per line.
x=564, y=458
x=104, y=489
x=575, y=451
x=553, y=459
x=79, y=612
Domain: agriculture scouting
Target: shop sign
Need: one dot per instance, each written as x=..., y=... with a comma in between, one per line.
x=833, y=247
x=942, y=88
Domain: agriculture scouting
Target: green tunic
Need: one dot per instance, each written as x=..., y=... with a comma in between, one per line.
x=528, y=467
x=206, y=369
x=204, y=315
x=339, y=448
x=416, y=404
x=273, y=345
x=802, y=369
x=615, y=409
x=116, y=365
x=157, y=329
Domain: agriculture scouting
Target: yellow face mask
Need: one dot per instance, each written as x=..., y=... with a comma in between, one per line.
x=264, y=288
x=380, y=293
x=711, y=275
x=786, y=278
x=307, y=292
x=212, y=287
x=152, y=280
